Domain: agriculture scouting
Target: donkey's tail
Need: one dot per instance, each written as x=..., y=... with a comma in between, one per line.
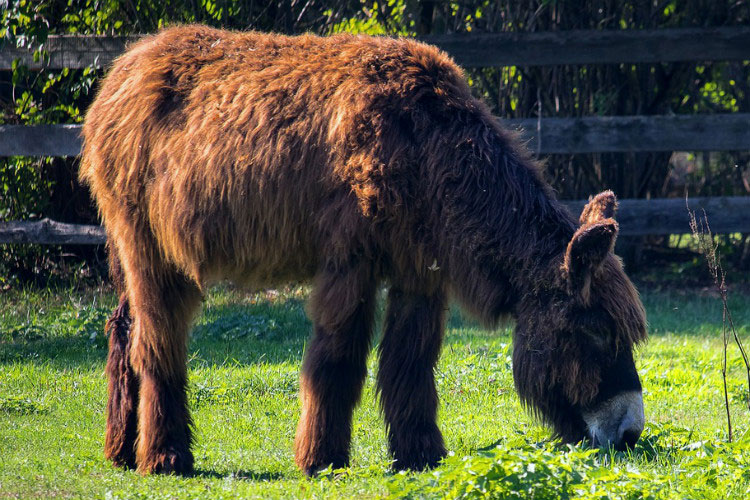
x=115, y=269
x=122, y=405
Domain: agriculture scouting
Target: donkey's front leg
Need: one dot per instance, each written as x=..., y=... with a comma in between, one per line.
x=335, y=365
x=408, y=354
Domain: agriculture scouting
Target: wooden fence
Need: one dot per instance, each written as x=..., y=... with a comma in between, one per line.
x=593, y=134
x=715, y=132
x=728, y=214
x=474, y=50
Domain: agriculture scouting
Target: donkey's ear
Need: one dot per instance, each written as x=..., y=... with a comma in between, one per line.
x=586, y=251
x=600, y=207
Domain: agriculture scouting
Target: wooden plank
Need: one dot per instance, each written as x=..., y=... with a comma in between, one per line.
x=595, y=134
x=40, y=140
x=48, y=232
x=598, y=134
x=728, y=43
x=727, y=214
x=69, y=51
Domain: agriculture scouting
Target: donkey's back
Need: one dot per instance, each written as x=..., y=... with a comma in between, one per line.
x=239, y=154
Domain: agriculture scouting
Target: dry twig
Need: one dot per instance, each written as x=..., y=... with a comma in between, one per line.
x=708, y=248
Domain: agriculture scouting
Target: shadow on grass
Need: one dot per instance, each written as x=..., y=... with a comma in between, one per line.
x=235, y=333
x=58, y=352
x=275, y=331
x=241, y=474
x=245, y=334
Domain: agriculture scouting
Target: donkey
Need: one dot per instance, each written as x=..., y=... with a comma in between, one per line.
x=351, y=162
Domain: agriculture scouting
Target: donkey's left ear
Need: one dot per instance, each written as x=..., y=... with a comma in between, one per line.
x=586, y=251
x=600, y=207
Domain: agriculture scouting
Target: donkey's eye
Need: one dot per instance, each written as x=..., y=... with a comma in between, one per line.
x=596, y=324
x=599, y=328
x=599, y=339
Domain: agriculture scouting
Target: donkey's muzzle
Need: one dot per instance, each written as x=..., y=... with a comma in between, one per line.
x=629, y=431
x=618, y=422
x=628, y=440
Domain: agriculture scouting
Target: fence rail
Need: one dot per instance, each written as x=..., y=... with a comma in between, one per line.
x=474, y=50
x=68, y=51
x=596, y=46
x=636, y=218
x=593, y=134
x=49, y=232
x=40, y=140
x=726, y=214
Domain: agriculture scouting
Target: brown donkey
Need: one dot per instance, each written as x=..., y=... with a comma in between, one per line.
x=349, y=161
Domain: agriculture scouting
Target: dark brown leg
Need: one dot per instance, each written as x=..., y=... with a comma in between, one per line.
x=122, y=404
x=408, y=354
x=335, y=366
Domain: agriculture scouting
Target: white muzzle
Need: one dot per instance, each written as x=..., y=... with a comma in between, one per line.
x=617, y=422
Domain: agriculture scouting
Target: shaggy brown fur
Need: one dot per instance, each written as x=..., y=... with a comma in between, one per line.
x=119, y=444
x=122, y=406
x=351, y=161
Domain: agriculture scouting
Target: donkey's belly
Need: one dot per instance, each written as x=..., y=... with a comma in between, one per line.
x=258, y=234
x=258, y=255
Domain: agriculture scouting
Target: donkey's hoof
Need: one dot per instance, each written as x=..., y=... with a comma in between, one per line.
x=167, y=462
x=120, y=450
x=419, y=451
x=419, y=462
x=318, y=466
x=122, y=460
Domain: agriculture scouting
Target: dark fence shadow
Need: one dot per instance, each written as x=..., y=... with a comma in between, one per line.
x=274, y=331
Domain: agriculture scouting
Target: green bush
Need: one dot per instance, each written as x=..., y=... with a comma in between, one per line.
x=710, y=470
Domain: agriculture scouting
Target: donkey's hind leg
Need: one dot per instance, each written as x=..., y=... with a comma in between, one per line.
x=122, y=403
x=162, y=304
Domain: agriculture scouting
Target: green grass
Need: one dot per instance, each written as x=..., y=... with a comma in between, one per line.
x=244, y=361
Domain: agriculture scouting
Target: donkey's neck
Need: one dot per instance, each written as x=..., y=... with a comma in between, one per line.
x=507, y=237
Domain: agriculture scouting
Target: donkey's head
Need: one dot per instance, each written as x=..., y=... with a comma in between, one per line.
x=573, y=348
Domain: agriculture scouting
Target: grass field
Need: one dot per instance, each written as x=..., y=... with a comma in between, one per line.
x=244, y=360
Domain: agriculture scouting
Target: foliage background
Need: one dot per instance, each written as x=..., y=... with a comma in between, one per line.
x=32, y=188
